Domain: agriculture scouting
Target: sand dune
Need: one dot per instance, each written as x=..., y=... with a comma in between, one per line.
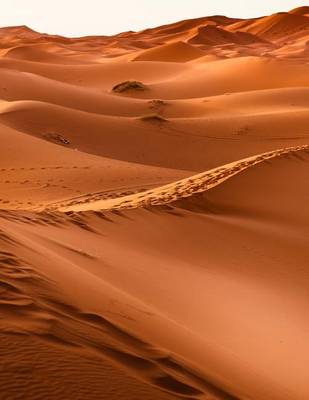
x=174, y=52
x=276, y=25
x=234, y=75
x=300, y=11
x=45, y=53
x=179, y=190
x=72, y=241
x=154, y=239
x=213, y=36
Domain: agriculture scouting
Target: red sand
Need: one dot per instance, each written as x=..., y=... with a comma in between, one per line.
x=154, y=241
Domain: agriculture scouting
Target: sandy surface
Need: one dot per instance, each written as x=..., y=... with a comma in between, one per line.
x=154, y=235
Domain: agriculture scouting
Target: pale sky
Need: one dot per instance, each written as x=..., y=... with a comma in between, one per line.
x=106, y=17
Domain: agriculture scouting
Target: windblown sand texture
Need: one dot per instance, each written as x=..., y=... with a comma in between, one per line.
x=154, y=212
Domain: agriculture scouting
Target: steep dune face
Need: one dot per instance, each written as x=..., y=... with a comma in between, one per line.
x=213, y=36
x=277, y=25
x=154, y=239
x=301, y=11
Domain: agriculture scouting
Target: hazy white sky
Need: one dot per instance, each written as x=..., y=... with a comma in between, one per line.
x=87, y=17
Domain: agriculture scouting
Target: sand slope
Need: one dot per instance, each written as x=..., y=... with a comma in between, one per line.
x=154, y=239
x=121, y=295
x=174, y=52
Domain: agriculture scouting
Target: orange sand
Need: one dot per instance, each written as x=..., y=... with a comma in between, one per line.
x=154, y=241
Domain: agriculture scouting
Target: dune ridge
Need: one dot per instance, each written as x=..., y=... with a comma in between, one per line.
x=187, y=187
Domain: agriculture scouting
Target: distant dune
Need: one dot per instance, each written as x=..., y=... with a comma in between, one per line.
x=173, y=52
x=154, y=218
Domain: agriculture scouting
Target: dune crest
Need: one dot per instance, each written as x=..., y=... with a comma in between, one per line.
x=187, y=187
